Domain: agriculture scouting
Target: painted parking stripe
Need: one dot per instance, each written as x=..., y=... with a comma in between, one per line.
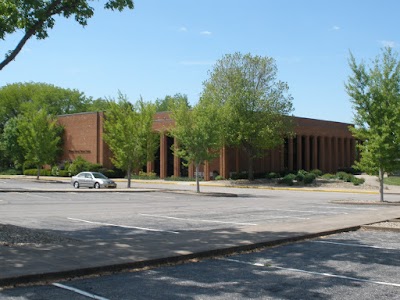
x=312, y=273
x=354, y=245
x=197, y=220
x=122, y=226
x=305, y=211
x=78, y=291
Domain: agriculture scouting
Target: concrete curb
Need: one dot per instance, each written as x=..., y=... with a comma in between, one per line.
x=44, y=278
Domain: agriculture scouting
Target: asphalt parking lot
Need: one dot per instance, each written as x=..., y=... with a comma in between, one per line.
x=352, y=265
x=102, y=228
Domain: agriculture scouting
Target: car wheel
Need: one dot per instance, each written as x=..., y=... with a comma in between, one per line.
x=97, y=185
x=76, y=184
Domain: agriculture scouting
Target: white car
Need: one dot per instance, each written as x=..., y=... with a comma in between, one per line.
x=92, y=180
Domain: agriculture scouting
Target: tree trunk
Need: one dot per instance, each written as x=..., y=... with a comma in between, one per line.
x=197, y=178
x=129, y=171
x=38, y=172
x=251, y=168
x=381, y=173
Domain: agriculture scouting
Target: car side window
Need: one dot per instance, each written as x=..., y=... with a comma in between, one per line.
x=81, y=175
x=88, y=176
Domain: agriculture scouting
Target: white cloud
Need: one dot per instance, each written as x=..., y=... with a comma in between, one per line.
x=205, y=32
x=335, y=28
x=390, y=44
x=183, y=29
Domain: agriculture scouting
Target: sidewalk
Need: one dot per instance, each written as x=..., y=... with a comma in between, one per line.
x=38, y=263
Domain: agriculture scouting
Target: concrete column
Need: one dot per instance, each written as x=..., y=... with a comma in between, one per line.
x=163, y=155
x=177, y=161
x=329, y=154
x=322, y=157
x=150, y=166
x=307, y=153
x=335, y=153
x=290, y=153
x=191, y=170
x=342, y=153
x=206, y=170
x=299, y=153
x=223, y=170
x=315, y=153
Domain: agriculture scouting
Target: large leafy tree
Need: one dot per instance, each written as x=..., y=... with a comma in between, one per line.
x=128, y=133
x=169, y=101
x=254, y=105
x=37, y=17
x=13, y=153
x=39, y=137
x=375, y=95
x=56, y=100
x=197, y=132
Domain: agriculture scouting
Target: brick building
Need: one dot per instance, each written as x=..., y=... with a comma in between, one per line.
x=317, y=144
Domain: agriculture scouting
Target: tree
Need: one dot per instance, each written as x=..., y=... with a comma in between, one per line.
x=253, y=104
x=12, y=150
x=55, y=100
x=39, y=137
x=128, y=133
x=168, y=102
x=197, y=132
x=375, y=94
x=36, y=17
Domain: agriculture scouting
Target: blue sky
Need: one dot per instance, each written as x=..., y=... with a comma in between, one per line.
x=166, y=47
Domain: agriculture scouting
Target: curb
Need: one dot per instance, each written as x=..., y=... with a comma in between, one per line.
x=44, y=278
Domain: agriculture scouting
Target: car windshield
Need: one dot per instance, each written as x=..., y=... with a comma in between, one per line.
x=99, y=175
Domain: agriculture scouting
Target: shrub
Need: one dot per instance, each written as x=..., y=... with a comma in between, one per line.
x=33, y=172
x=328, y=176
x=64, y=173
x=357, y=181
x=272, y=175
x=241, y=175
x=316, y=172
x=300, y=175
x=11, y=172
x=309, y=178
x=219, y=177
x=147, y=175
x=288, y=179
x=341, y=175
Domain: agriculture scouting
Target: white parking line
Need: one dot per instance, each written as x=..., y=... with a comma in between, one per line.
x=78, y=291
x=354, y=245
x=122, y=226
x=312, y=273
x=197, y=220
x=304, y=211
x=345, y=208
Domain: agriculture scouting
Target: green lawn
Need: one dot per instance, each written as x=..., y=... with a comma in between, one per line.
x=392, y=180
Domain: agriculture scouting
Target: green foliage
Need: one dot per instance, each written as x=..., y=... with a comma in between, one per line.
x=197, y=131
x=253, y=105
x=288, y=179
x=309, y=178
x=219, y=177
x=328, y=176
x=12, y=150
x=33, y=172
x=176, y=178
x=375, y=95
x=316, y=172
x=81, y=165
x=357, y=181
x=39, y=137
x=273, y=175
x=36, y=18
x=240, y=175
x=300, y=176
x=168, y=103
x=11, y=172
x=128, y=133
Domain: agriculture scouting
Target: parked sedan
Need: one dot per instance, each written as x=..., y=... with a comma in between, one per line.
x=92, y=180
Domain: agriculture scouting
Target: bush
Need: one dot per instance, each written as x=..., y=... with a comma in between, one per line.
x=357, y=181
x=241, y=175
x=288, y=179
x=300, y=176
x=329, y=176
x=33, y=172
x=219, y=177
x=316, y=172
x=11, y=172
x=341, y=175
x=272, y=175
x=176, y=178
x=309, y=178
x=64, y=173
